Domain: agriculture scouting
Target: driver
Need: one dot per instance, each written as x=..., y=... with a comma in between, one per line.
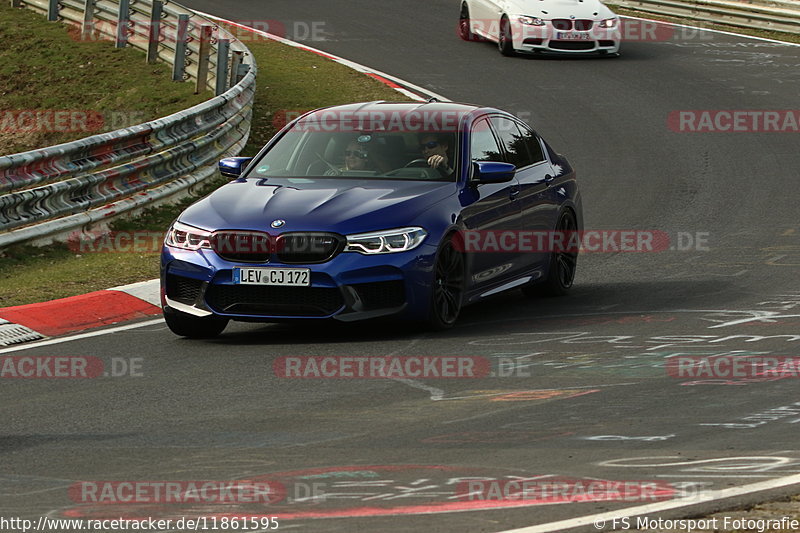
x=434, y=148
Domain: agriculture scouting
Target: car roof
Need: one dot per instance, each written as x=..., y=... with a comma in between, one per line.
x=402, y=107
x=386, y=110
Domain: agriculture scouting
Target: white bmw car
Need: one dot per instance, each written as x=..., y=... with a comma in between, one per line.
x=536, y=26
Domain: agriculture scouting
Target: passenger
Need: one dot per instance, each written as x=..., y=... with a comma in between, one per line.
x=357, y=157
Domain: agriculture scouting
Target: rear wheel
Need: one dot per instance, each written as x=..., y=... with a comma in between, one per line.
x=563, y=262
x=505, y=42
x=448, y=286
x=194, y=327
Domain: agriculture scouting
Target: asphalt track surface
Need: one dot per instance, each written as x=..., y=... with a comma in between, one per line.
x=589, y=397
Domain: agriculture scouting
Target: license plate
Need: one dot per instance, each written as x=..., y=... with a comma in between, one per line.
x=287, y=277
x=571, y=36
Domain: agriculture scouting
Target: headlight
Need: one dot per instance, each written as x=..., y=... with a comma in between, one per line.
x=187, y=237
x=386, y=242
x=530, y=21
x=608, y=23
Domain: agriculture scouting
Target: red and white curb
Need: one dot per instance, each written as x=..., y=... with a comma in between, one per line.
x=24, y=323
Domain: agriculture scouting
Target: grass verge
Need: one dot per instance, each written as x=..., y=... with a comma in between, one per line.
x=289, y=80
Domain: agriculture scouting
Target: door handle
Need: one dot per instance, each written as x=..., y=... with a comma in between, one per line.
x=548, y=178
x=514, y=192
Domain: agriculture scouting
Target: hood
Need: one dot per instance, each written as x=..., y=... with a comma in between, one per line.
x=339, y=205
x=550, y=9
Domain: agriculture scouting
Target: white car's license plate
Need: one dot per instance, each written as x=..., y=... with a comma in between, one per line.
x=571, y=36
x=288, y=277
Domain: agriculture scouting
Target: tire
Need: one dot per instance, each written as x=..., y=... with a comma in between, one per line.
x=505, y=42
x=563, y=265
x=464, y=31
x=194, y=327
x=447, y=292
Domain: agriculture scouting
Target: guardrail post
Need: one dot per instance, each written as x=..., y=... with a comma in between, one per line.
x=87, y=28
x=236, y=62
x=206, y=35
x=123, y=20
x=181, y=38
x=52, y=10
x=154, y=38
x=223, y=48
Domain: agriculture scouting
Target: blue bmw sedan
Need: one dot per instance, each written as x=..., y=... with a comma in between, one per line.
x=375, y=209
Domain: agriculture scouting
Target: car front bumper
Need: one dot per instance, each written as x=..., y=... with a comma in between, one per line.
x=538, y=39
x=349, y=287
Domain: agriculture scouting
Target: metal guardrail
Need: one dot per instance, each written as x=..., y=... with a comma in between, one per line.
x=774, y=15
x=65, y=187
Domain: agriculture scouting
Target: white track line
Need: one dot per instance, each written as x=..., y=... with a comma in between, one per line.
x=599, y=520
x=59, y=340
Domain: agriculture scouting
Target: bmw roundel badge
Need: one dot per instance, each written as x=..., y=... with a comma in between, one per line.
x=278, y=223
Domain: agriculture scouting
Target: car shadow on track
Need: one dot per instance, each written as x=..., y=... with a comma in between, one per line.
x=509, y=308
x=593, y=298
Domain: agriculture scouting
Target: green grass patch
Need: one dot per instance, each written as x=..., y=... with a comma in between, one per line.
x=289, y=79
x=39, y=274
x=765, y=34
x=116, y=87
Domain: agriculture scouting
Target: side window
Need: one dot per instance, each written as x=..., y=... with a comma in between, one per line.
x=513, y=141
x=483, y=146
x=532, y=142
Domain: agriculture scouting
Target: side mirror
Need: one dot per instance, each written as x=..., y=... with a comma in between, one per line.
x=231, y=167
x=492, y=172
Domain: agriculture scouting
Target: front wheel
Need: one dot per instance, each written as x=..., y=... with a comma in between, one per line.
x=563, y=262
x=194, y=327
x=505, y=41
x=448, y=286
x=464, y=29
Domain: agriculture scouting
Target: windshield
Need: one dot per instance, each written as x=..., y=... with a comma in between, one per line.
x=312, y=149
